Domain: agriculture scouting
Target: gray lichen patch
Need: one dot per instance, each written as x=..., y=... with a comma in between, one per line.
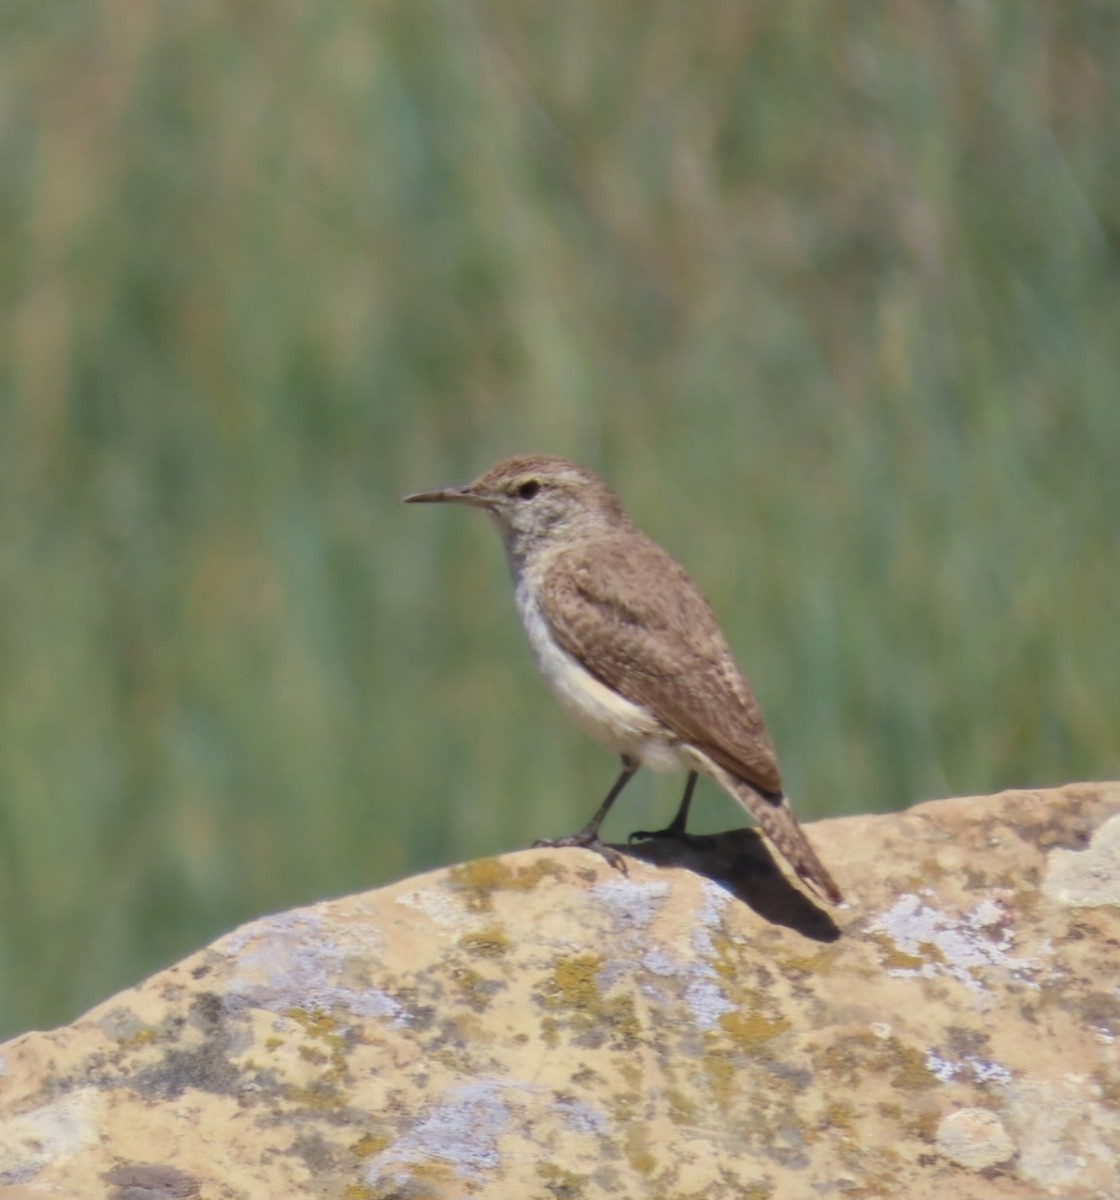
x=1087, y=878
x=32, y=1140
x=306, y=959
x=973, y=948
x=460, y=1131
x=632, y=903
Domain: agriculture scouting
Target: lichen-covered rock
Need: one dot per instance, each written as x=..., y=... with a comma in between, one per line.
x=538, y=1025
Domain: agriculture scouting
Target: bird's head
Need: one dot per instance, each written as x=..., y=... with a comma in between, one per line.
x=536, y=498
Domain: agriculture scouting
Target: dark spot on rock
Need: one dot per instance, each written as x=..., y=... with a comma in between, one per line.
x=19, y=1175
x=962, y=1040
x=150, y=1181
x=207, y=1010
x=800, y=1077
x=1068, y=829
x=205, y=1068
x=200, y=972
x=317, y=1153
x=421, y=1017
x=1101, y=1009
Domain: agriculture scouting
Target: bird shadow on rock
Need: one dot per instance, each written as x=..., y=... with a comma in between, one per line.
x=740, y=862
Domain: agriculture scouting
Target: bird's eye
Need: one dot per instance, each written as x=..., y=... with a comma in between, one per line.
x=528, y=489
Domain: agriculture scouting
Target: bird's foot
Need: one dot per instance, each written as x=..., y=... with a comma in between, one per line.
x=587, y=842
x=677, y=833
x=672, y=831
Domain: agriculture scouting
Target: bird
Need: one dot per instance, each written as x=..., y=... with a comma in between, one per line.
x=632, y=650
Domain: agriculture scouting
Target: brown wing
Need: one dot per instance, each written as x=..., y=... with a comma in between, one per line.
x=634, y=618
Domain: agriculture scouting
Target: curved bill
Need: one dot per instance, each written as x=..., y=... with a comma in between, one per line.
x=451, y=495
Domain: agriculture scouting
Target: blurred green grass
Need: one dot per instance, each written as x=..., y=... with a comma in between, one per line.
x=830, y=294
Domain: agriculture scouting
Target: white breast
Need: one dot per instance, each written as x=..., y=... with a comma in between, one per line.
x=596, y=708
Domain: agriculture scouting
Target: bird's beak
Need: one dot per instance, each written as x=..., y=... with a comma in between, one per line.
x=451, y=495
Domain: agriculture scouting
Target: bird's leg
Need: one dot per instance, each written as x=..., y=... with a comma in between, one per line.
x=676, y=827
x=588, y=836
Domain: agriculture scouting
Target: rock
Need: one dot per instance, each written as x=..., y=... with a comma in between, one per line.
x=540, y=1026
x=974, y=1137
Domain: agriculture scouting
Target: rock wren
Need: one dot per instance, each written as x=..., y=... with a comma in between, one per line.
x=631, y=648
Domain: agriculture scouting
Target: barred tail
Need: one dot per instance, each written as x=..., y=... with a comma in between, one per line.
x=776, y=819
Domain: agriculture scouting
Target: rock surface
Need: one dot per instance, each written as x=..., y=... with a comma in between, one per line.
x=538, y=1025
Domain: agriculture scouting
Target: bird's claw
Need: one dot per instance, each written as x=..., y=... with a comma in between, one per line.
x=645, y=835
x=586, y=842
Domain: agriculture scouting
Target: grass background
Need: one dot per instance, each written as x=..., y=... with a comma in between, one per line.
x=829, y=293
